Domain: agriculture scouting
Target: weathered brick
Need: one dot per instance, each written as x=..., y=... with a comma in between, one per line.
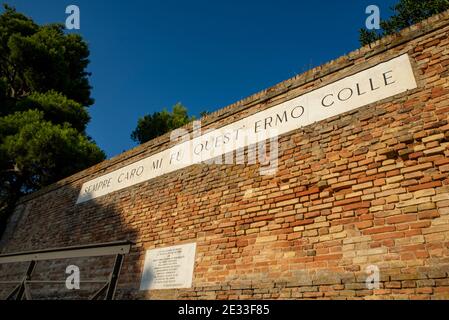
x=362, y=186
x=434, y=137
x=401, y=219
x=413, y=202
x=430, y=214
x=433, y=184
x=379, y=230
x=418, y=167
x=424, y=193
x=267, y=239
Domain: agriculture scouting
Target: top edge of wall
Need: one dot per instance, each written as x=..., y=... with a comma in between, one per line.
x=386, y=43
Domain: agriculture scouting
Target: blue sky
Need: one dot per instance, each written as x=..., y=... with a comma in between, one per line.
x=147, y=55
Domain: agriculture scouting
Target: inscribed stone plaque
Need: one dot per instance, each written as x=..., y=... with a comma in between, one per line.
x=169, y=268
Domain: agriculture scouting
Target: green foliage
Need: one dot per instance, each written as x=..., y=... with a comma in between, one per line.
x=368, y=36
x=38, y=152
x=159, y=123
x=406, y=14
x=44, y=95
x=57, y=109
x=42, y=58
x=204, y=113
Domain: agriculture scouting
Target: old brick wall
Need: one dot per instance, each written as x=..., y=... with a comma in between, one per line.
x=368, y=187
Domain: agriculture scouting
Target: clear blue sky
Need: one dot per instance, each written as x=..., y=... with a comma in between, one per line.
x=147, y=55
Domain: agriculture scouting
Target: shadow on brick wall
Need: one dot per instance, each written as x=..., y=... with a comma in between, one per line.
x=53, y=220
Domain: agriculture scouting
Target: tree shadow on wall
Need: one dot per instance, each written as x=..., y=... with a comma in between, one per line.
x=47, y=220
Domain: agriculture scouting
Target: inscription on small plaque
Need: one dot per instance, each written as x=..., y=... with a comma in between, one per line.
x=169, y=268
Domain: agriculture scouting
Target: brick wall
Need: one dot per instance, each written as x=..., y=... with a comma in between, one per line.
x=368, y=187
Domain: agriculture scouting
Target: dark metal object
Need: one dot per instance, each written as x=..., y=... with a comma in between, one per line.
x=111, y=284
x=22, y=286
x=113, y=278
x=92, y=250
x=22, y=290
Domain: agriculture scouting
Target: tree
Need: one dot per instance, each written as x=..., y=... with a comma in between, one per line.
x=406, y=14
x=204, y=113
x=35, y=152
x=44, y=95
x=159, y=123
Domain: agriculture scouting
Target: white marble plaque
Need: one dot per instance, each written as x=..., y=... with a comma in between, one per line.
x=169, y=268
x=368, y=86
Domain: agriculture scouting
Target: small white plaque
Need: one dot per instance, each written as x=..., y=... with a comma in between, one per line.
x=169, y=268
